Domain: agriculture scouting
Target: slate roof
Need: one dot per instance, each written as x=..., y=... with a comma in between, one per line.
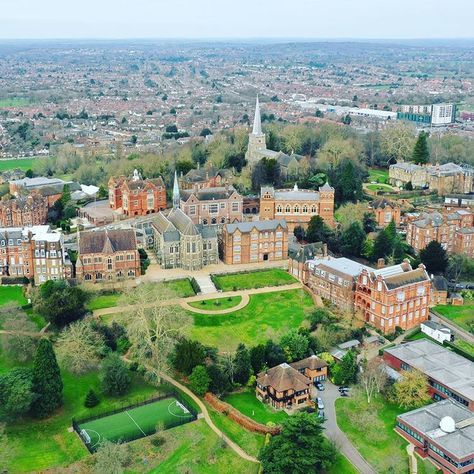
x=312, y=362
x=202, y=174
x=412, y=276
x=283, y=377
x=209, y=194
x=107, y=241
x=270, y=225
x=439, y=283
x=382, y=204
x=302, y=253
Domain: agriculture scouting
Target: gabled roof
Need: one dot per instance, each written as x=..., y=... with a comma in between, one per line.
x=209, y=194
x=382, y=204
x=406, y=278
x=270, y=225
x=312, y=362
x=107, y=241
x=283, y=377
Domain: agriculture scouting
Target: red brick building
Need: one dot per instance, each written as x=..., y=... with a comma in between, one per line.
x=393, y=296
x=385, y=211
x=107, y=255
x=137, y=196
x=24, y=211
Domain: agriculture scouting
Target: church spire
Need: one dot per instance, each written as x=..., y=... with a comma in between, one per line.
x=176, y=199
x=257, y=121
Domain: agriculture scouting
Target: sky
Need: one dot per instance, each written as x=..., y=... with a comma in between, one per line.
x=187, y=19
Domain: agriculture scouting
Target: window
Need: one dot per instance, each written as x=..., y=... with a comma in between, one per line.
x=313, y=209
x=98, y=276
x=288, y=209
x=279, y=208
x=279, y=235
x=222, y=205
x=305, y=209
x=213, y=208
x=236, y=248
x=237, y=238
x=379, y=286
x=109, y=264
x=297, y=209
x=254, y=236
x=192, y=210
x=87, y=277
x=236, y=258
x=235, y=207
x=130, y=256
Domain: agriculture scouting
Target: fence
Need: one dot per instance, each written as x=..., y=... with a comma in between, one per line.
x=195, y=285
x=167, y=425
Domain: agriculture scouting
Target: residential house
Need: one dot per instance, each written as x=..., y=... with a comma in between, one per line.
x=313, y=367
x=205, y=178
x=385, y=211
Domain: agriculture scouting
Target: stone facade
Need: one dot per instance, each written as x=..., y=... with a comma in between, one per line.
x=384, y=212
x=446, y=179
x=137, y=196
x=212, y=206
x=393, y=296
x=297, y=206
x=205, y=178
x=252, y=242
x=107, y=255
x=24, y=211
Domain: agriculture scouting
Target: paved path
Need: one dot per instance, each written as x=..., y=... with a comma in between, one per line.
x=206, y=284
x=245, y=299
x=176, y=301
x=458, y=331
x=329, y=396
x=208, y=419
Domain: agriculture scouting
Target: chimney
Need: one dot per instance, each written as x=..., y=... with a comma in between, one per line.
x=380, y=263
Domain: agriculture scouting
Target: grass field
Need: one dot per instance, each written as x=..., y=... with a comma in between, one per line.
x=378, y=175
x=376, y=441
x=15, y=102
x=135, y=423
x=12, y=294
x=217, y=304
x=463, y=316
x=379, y=187
x=21, y=163
x=246, y=402
x=259, y=279
x=267, y=316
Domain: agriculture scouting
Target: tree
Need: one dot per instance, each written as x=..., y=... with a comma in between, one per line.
x=373, y=378
x=205, y=132
x=46, y=382
x=300, y=448
x=434, y=257
x=187, y=355
x=274, y=354
x=257, y=358
x=412, y=390
x=243, y=366
x=16, y=395
x=199, y=380
x=318, y=230
x=346, y=371
x=219, y=383
x=352, y=240
x=368, y=222
x=295, y=345
x=91, y=399
x=60, y=303
x=347, y=179
x=80, y=347
x=299, y=233
x=115, y=376
x=456, y=266
x=383, y=245
x=154, y=328
x=111, y=458
x=397, y=141
x=421, y=153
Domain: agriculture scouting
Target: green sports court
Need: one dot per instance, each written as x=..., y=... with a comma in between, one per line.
x=134, y=423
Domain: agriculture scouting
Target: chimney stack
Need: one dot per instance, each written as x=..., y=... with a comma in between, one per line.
x=380, y=263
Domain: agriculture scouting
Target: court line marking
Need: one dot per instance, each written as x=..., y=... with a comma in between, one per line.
x=98, y=434
x=130, y=416
x=187, y=415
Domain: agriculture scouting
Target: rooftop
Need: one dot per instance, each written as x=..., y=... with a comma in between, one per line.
x=270, y=225
x=283, y=377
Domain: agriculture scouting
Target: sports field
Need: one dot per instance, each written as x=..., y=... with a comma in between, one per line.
x=135, y=423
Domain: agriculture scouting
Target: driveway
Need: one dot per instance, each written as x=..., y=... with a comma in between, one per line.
x=329, y=396
x=457, y=331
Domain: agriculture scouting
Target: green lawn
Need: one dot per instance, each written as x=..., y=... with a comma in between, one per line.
x=378, y=175
x=134, y=423
x=376, y=441
x=465, y=346
x=379, y=187
x=42, y=444
x=267, y=316
x=12, y=294
x=217, y=304
x=103, y=301
x=463, y=316
x=246, y=402
x=342, y=466
x=15, y=102
x=258, y=279
x=22, y=164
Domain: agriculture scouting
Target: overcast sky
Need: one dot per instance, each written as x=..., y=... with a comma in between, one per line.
x=236, y=18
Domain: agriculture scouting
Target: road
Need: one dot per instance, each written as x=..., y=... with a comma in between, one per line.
x=457, y=331
x=329, y=396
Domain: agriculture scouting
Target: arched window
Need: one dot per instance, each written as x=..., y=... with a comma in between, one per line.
x=120, y=274
x=98, y=276
x=87, y=277
x=222, y=220
x=131, y=273
x=305, y=208
x=109, y=263
x=297, y=209
x=288, y=209
x=313, y=209
x=204, y=221
x=213, y=221
x=279, y=208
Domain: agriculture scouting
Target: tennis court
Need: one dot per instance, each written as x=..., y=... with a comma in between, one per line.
x=135, y=422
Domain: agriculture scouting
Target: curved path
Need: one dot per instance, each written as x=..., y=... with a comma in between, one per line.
x=209, y=296
x=208, y=419
x=245, y=299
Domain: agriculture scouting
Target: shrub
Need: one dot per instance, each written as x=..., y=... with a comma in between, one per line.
x=91, y=399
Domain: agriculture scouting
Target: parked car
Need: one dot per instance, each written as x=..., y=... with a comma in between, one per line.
x=343, y=389
x=320, y=403
x=321, y=414
x=344, y=393
x=319, y=386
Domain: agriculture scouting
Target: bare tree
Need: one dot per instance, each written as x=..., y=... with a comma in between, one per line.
x=79, y=347
x=373, y=378
x=228, y=365
x=153, y=327
x=111, y=458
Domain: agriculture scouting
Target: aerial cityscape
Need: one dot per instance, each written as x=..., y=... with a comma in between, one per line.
x=237, y=238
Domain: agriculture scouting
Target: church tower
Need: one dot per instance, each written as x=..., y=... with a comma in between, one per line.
x=176, y=198
x=256, y=138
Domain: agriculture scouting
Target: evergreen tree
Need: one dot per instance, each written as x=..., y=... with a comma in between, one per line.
x=434, y=257
x=187, y=355
x=257, y=358
x=199, y=380
x=115, y=376
x=299, y=233
x=317, y=230
x=368, y=222
x=243, y=366
x=353, y=240
x=421, y=154
x=91, y=399
x=349, y=368
x=383, y=245
x=46, y=384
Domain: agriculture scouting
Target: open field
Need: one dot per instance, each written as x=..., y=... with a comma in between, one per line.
x=246, y=402
x=375, y=439
x=12, y=294
x=267, y=316
x=463, y=316
x=217, y=304
x=20, y=163
x=258, y=279
x=15, y=102
x=377, y=175
x=379, y=187
x=42, y=444
x=135, y=423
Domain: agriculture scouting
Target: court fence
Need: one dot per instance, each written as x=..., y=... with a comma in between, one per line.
x=171, y=393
